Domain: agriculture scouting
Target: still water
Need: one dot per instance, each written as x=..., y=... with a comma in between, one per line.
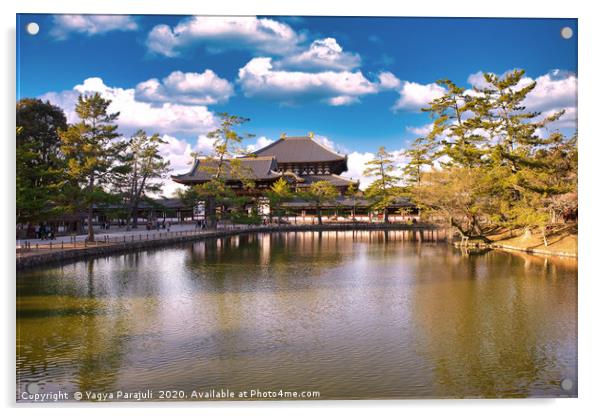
x=346, y=314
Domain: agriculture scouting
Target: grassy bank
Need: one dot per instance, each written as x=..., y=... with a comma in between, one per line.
x=561, y=242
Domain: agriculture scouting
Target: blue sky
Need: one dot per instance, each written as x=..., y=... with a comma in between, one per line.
x=357, y=82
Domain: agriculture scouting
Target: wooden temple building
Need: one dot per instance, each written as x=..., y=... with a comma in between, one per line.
x=301, y=161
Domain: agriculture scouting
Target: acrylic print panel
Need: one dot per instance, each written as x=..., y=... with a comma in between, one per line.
x=269, y=208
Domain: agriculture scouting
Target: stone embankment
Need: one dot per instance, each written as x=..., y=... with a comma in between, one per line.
x=36, y=258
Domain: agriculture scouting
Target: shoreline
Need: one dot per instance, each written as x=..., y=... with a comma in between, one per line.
x=64, y=256
x=506, y=247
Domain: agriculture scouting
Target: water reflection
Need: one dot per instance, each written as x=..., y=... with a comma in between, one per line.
x=351, y=314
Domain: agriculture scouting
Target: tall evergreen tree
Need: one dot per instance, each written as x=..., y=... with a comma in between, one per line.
x=91, y=150
x=319, y=193
x=222, y=165
x=279, y=193
x=39, y=161
x=145, y=167
x=385, y=188
x=518, y=177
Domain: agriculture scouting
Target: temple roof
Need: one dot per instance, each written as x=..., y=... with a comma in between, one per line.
x=336, y=180
x=252, y=167
x=299, y=149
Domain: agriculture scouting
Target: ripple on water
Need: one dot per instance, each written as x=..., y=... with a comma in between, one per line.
x=348, y=315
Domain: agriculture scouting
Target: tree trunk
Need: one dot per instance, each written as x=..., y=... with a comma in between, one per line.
x=385, y=216
x=458, y=227
x=134, y=215
x=91, y=210
x=545, y=238
x=210, y=213
x=319, y=213
x=90, y=227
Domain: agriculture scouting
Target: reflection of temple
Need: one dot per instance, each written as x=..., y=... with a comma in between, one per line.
x=301, y=161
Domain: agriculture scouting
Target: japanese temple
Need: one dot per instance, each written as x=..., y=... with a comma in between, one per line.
x=300, y=160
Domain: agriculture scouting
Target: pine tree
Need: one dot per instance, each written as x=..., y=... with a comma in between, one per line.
x=91, y=151
x=279, y=193
x=223, y=165
x=39, y=161
x=490, y=164
x=353, y=192
x=384, y=190
x=145, y=166
x=319, y=193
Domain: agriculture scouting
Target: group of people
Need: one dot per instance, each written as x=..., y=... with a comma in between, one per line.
x=43, y=233
x=165, y=225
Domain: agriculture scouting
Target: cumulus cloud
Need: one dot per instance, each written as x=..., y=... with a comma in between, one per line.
x=260, y=143
x=322, y=54
x=218, y=33
x=388, y=81
x=330, y=144
x=166, y=118
x=188, y=88
x=414, y=96
x=64, y=24
x=420, y=131
x=357, y=163
x=259, y=79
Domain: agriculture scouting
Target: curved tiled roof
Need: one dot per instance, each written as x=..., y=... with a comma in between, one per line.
x=252, y=167
x=297, y=150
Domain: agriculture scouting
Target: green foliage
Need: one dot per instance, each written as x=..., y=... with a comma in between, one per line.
x=143, y=167
x=92, y=155
x=319, y=193
x=223, y=165
x=279, y=193
x=383, y=191
x=253, y=218
x=39, y=162
x=485, y=161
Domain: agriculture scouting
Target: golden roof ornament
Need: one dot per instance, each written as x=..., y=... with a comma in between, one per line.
x=283, y=136
x=311, y=134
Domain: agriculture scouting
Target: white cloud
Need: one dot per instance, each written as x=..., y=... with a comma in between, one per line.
x=330, y=144
x=189, y=88
x=166, y=118
x=64, y=24
x=259, y=79
x=420, y=131
x=260, y=143
x=356, y=164
x=414, y=96
x=216, y=33
x=322, y=54
x=555, y=89
x=178, y=153
x=342, y=100
x=388, y=81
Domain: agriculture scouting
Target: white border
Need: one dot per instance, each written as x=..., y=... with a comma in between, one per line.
x=590, y=146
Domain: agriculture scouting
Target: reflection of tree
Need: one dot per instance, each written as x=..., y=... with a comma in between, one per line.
x=81, y=334
x=492, y=334
x=222, y=262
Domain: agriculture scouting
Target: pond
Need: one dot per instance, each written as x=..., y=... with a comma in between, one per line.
x=350, y=315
